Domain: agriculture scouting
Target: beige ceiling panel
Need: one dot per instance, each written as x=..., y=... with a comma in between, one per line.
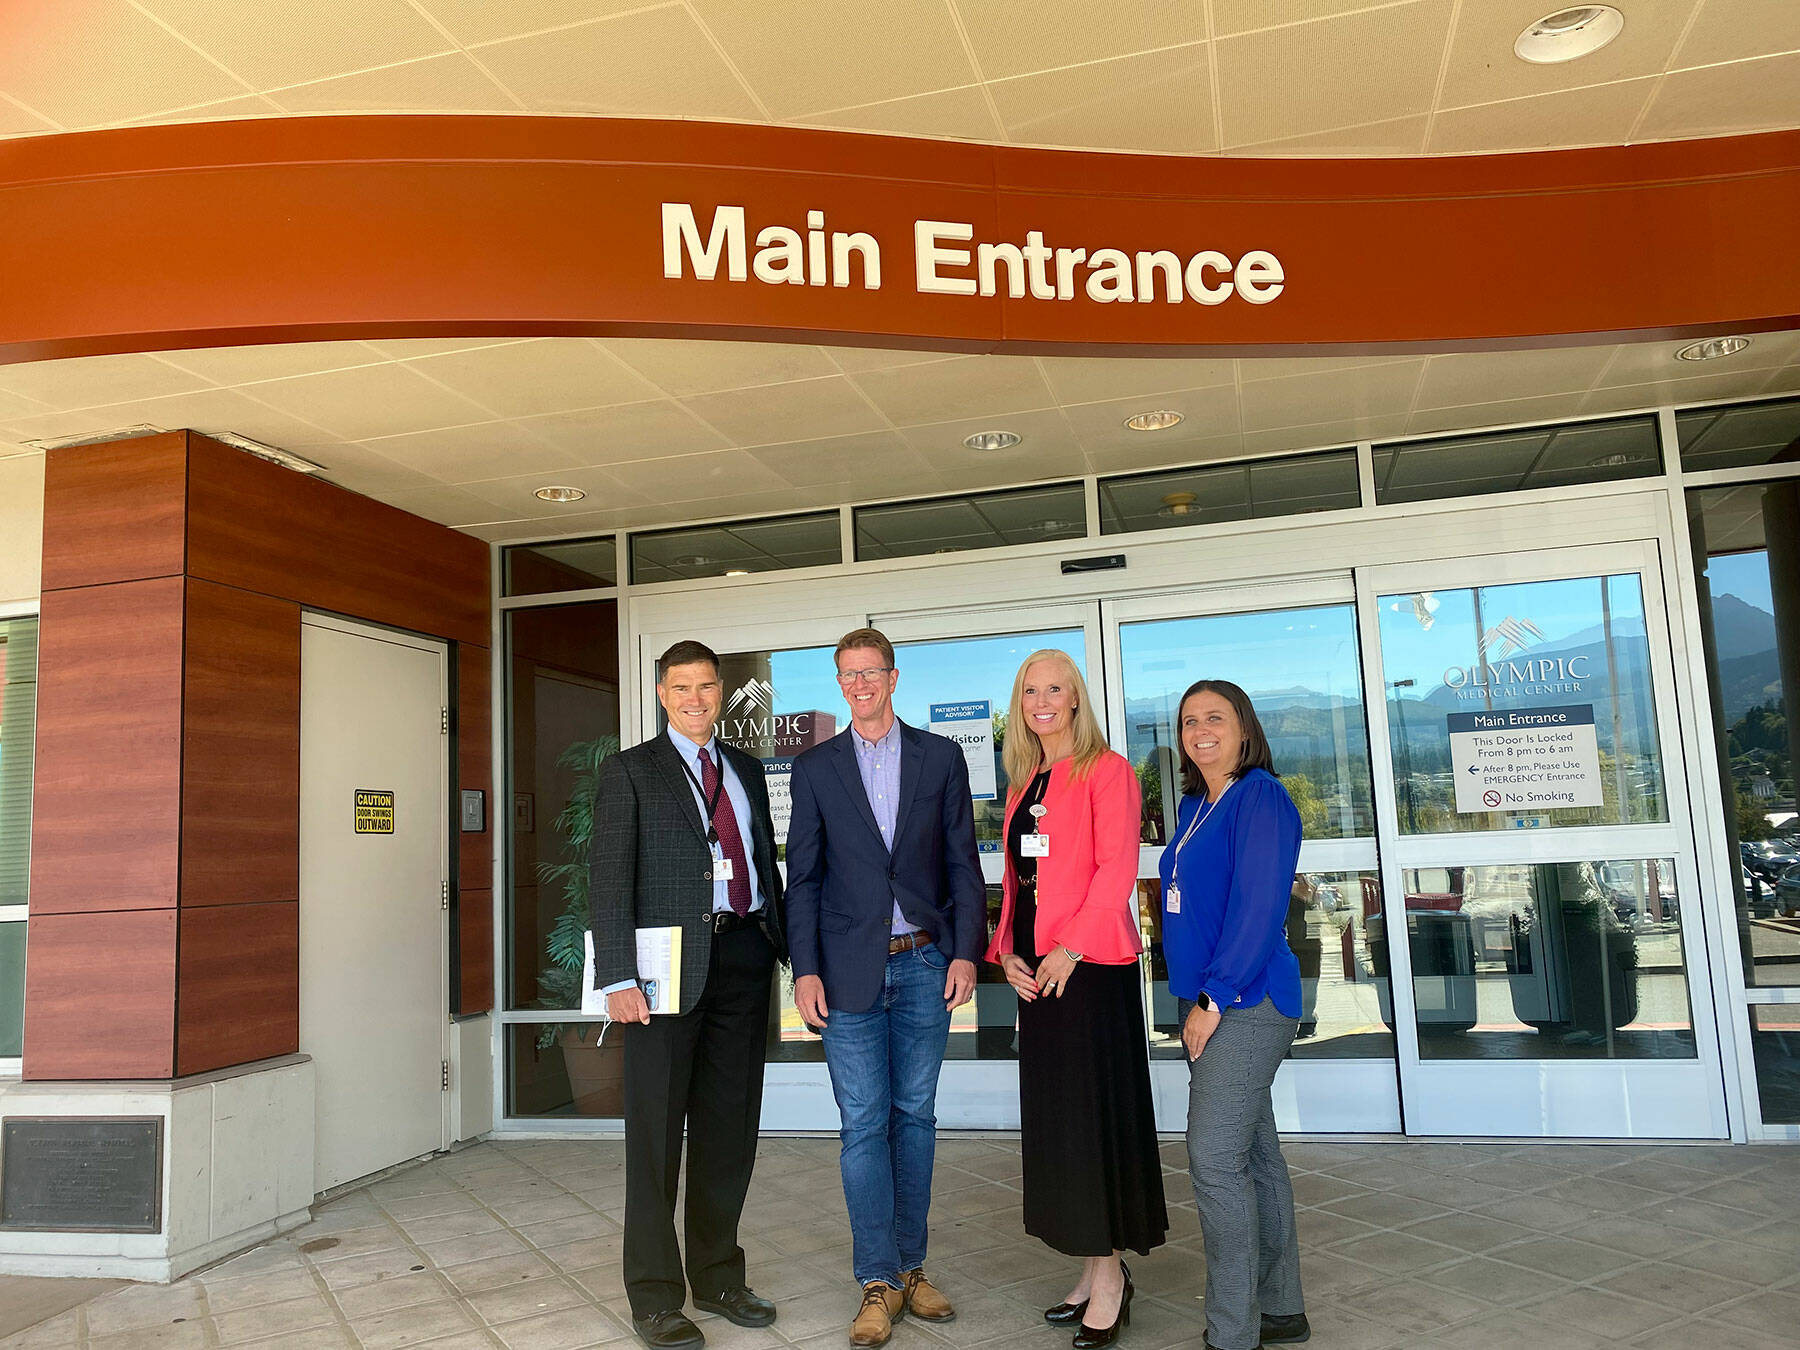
x=1373, y=66
x=1483, y=69
x=1159, y=101
x=569, y=524
x=1729, y=384
x=972, y=386
x=405, y=349
x=446, y=505
x=1275, y=367
x=680, y=368
x=449, y=83
x=855, y=360
x=1490, y=377
x=803, y=410
x=61, y=425
x=1332, y=396
x=1049, y=447
x=514, y=498
x=94, y=381
x=1733, y=30
x=1333, y=435
x=858, y=465
x=1402, y=136
x=655, y=61
x=470, y=454
x=962, y=114
x=19, y=121
x=633, y=431
x=100, y=61
x=1244, y=16
x=1206, y=413
x=1012, y=38
x=546, y=375
x=1782, y=381
x=799, y=59
x=1504, y=412
x=1655, y=363
x=354, y=466
x=275, y=361
x=231, y=109
x=368, y=401
x=279, y=42
x=14, y=406
x=473, y=21
x=1094, y=379
x=1151, y=454
x=1749, y=96
x=689, y=478
x=1601, y=115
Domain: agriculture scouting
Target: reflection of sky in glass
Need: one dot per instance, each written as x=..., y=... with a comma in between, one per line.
x=930, y=672
x=1284, y=651
x=1745, y=575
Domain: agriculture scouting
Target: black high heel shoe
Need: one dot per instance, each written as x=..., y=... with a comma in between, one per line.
x=1093, y=1338
x=1066, y=1314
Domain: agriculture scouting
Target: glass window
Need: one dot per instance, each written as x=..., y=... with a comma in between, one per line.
x=566, y=1069
x=737, y=548
x=18, y=713
x=540, y=569
x=1248, y=490
x=1524, y=705
x=563, y=720
x=982, y=520
x=1747, y=547
x=1334, y=929
x=1510, y=461
x=1567, y=960
x=1775, y=1039
x=1743, y=434
x=1299, y=667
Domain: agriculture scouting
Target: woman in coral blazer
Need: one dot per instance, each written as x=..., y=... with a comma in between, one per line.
x=1068, y=943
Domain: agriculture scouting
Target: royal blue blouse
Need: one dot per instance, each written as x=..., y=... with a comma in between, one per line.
x=1235, y=878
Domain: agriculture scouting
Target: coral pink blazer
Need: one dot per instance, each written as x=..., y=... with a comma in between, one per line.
x=1087, y=887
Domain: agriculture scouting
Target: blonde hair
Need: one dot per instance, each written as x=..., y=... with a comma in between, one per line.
x=1024, y=753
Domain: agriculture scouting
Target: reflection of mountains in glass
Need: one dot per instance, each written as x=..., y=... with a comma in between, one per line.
x=1304, y=727
x=1749, y=663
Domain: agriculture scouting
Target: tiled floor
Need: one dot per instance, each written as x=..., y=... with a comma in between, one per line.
x=1419, y=1245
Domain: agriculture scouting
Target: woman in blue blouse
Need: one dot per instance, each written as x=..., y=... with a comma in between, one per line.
x=1226, y=882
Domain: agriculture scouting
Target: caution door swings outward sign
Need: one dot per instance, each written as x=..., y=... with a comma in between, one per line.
x=374, y=811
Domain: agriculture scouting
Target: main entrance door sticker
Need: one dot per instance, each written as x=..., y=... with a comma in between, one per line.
x=1529, y=759
x=374, y=811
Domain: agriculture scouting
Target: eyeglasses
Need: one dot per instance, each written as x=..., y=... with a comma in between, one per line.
x=870, y=676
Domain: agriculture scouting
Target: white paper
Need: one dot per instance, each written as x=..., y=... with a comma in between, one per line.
x=1034, y=845
x=971, y=725
x=659, y=971
x=1525, y=759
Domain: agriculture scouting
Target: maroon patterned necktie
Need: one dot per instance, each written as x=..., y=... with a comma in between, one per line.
x=731, y=843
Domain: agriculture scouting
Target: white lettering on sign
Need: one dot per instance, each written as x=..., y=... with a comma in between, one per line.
x=944, y=263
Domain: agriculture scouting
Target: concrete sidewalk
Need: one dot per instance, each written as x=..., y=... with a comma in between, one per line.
x=1459, y=1246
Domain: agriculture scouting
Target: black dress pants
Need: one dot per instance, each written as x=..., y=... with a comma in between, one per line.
x=703, y=1069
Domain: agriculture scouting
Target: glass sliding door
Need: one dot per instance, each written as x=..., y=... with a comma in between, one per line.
x=1536, y=848
x=1294, y=649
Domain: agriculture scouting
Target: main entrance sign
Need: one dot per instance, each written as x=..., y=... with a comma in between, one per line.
x=294, y=229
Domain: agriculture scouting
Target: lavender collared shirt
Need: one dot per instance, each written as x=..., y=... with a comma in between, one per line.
x=879, y=764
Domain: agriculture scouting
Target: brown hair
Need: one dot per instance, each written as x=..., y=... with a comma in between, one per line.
x=1255, y=751
x=865, y=639
x=687, y=652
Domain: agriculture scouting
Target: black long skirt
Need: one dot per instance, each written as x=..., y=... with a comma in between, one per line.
x=1087, y=1125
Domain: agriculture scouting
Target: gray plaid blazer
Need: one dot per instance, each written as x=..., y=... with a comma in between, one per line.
x=649, y=862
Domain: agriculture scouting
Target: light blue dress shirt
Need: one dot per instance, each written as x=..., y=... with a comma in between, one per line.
x=879, y=764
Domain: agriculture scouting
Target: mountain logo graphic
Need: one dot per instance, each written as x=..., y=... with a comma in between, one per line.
x=754, y=696
x=1508, y=636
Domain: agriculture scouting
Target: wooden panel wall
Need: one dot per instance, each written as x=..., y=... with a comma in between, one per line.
x=473, y=990
x=115, y=512
x=100, y=995
x=239, y=974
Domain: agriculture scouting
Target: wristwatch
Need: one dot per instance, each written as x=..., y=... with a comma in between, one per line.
x=1072, y=955
x=1201, y=1000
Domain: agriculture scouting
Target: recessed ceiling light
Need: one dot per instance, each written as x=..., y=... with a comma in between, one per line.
x=1615, y=460
x=992, y=440
x=693, y=560
x=737, y=571
x=1712, y=349
x=1178, y=504
x=1568, y=34
x=560, y=495
x=1160, y=420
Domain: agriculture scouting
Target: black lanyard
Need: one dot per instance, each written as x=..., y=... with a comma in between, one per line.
x=712, y=807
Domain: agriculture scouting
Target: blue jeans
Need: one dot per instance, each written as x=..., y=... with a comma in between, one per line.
x=884, y=1072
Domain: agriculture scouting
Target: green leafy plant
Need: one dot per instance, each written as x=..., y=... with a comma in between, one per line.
x=559, y=982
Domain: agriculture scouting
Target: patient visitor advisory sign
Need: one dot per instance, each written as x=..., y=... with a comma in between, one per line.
x=1525, y=759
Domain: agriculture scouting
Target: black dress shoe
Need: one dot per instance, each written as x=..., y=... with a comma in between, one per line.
x=668, y=1330
x=1094, y=1338
x=739, y=1305
x=1289, y=1330
x=1065, y=1314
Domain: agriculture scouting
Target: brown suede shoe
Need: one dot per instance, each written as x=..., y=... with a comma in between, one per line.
x=882, y=1305
x=923, y=1299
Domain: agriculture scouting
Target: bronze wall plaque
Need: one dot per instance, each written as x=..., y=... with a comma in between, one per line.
x=81, y=1175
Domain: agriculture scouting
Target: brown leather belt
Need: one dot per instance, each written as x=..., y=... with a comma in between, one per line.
x=907, y=942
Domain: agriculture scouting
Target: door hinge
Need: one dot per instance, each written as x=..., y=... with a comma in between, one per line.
x=446, y=1075
x=443, y=895
x=444, y=721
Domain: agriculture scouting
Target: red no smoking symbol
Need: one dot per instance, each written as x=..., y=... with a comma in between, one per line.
x=1490, y=798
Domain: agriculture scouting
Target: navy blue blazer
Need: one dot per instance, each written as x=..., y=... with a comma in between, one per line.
x=842, y=883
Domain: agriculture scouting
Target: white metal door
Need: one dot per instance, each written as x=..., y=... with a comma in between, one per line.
x=374, y=965
x=1544, y=923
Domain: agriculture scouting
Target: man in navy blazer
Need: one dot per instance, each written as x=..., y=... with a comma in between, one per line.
x=886, y=918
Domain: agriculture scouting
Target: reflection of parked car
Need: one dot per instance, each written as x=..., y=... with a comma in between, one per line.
x=1769, y=858
x=1787, y=891
x=1621, y=883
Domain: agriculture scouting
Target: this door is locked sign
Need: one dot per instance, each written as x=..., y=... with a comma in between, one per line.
x=374, y=811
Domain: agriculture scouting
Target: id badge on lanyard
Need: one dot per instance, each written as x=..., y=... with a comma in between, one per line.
x=1172, y=898
x=1037, y=843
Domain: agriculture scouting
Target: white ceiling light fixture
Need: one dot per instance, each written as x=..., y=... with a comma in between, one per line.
x=1179, y=504
x=562, y=496
x=1160, y=420
x=95, y=437
x=737, y=571
x=1568, y=34
x=993, y=440
x=693, y=560
x=1711, y=349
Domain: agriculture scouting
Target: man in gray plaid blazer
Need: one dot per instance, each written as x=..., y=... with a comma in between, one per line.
x=682, y=837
